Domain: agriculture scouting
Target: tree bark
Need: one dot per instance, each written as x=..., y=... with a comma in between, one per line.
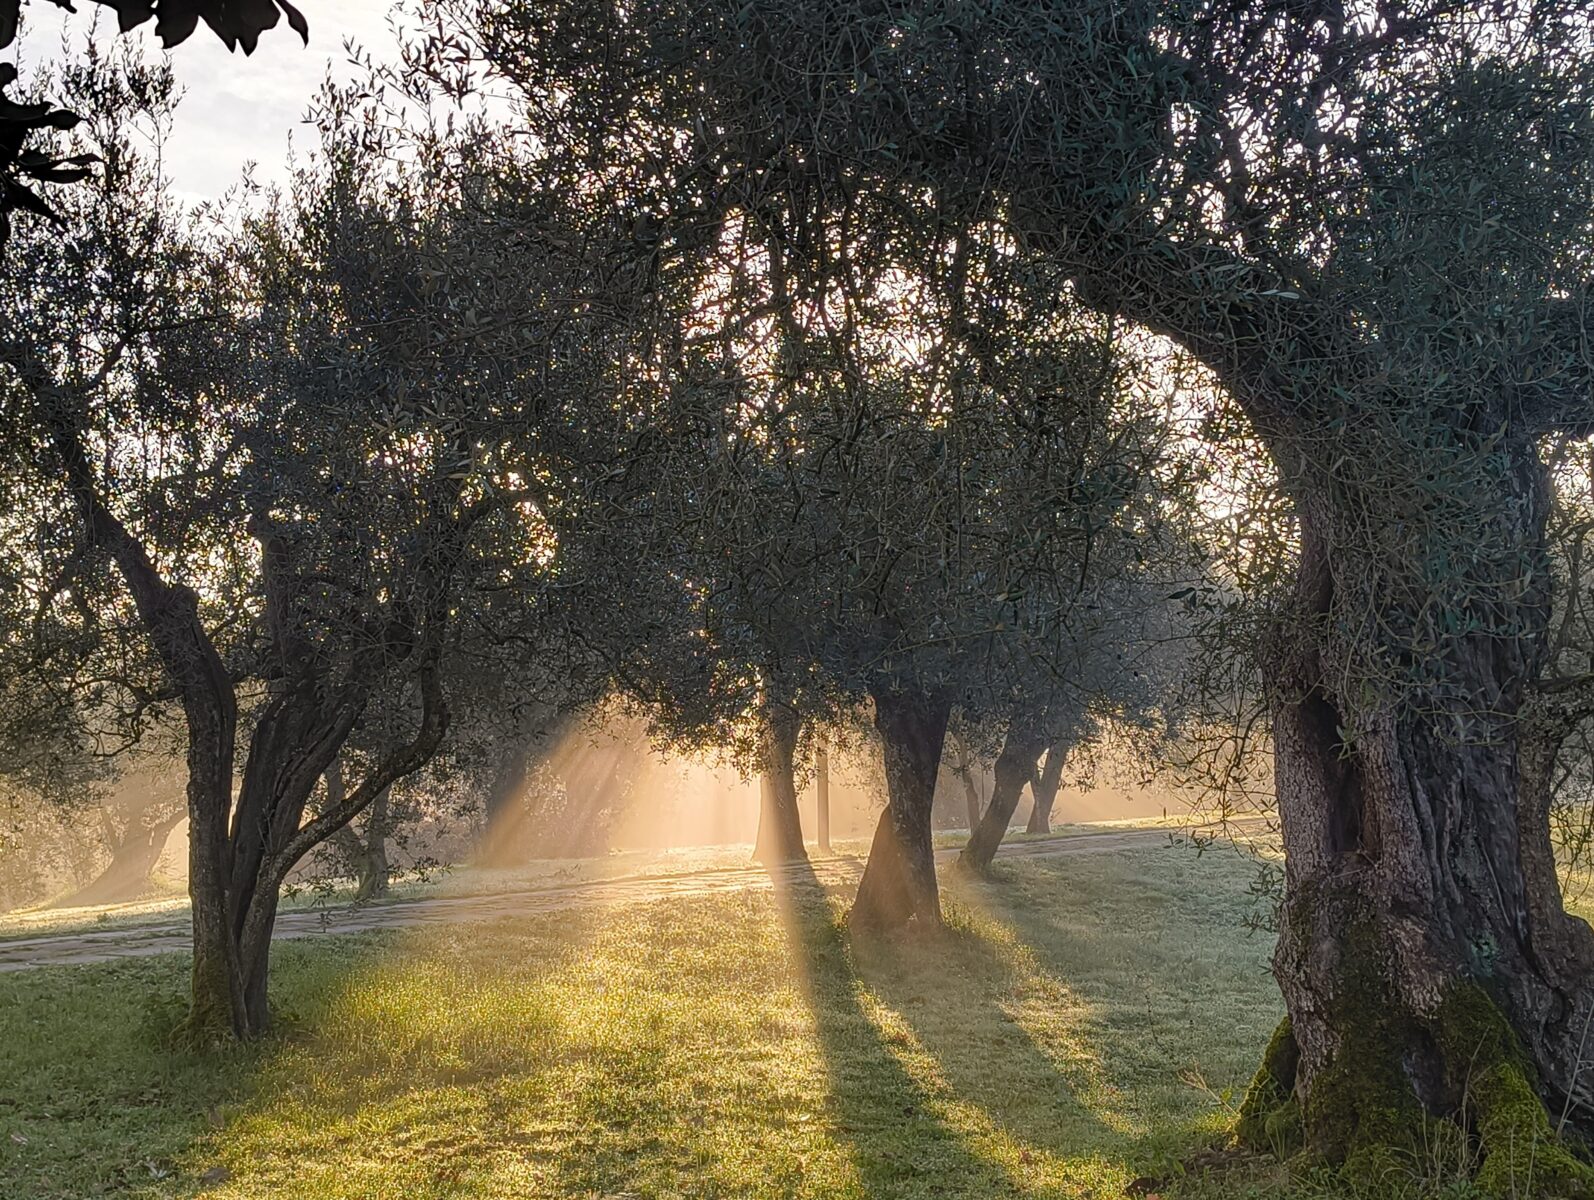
x=1426, y=961
x=780, y=831
x=898, y=884
x=1015, y=764
x=1044, y=785
x=375, y=871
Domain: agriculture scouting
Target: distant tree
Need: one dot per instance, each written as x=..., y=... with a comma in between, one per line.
x=879, y=454
x=964, y=762
x=1027, y=733
x=1114, y=667
x=132, y=821
x=1045, y=780
x=897, y=559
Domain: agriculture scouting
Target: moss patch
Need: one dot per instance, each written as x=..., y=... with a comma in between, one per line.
x=1270, y=1118
x=1522, y=1154
x=1362, y=1108
x=1364, y=1114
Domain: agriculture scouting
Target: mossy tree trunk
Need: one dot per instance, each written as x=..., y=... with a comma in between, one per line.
x=898, y=884
x=1427, y=964
x=780, y=831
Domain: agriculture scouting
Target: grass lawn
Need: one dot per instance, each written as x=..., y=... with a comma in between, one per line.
x=1088, y=1019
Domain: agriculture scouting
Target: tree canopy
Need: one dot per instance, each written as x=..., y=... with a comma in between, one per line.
x=765, y=361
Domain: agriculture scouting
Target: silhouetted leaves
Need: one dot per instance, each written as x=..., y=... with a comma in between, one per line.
x=235, y=22
x=238, y=23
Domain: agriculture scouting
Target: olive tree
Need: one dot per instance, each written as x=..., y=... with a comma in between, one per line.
x=287, y=479
x=851, y=534
x=1370, y=224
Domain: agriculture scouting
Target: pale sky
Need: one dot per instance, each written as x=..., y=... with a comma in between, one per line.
x=235, y=109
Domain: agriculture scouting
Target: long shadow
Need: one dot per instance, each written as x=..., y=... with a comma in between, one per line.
x=1174, y=924
x=961, y=997
x=899, y=1143
x=1068, y=1030
x=1176, y=987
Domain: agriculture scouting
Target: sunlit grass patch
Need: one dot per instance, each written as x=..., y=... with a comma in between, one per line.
x=167, y=905
x=733, y=1045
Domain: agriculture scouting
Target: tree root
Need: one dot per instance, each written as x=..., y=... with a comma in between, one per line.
x=1364, y=1118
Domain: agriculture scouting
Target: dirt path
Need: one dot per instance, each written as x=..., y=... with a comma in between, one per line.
x=70, y=949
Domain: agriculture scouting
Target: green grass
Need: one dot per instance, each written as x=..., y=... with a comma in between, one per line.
x=1086, y=1021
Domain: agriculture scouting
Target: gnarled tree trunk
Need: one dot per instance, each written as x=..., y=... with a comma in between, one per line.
x=375, y=872
x=1427, y=964
x=898, y=884
x=1014, y=766
x=364, y=851
x=780, y=831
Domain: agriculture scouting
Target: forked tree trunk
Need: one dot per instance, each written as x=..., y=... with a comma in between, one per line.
x=239, y=853
x=780, y=831
x=898, y=884
x=1044, y=785
x=1014, y=766
x=1426, y=961
x=374, y=872
x=295, y=742
x=364, y=851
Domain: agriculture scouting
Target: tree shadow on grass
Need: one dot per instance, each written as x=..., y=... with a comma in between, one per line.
x=1007, y=1034
x=1179, y=992
x=1058, y=1047
x=895, y=1125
